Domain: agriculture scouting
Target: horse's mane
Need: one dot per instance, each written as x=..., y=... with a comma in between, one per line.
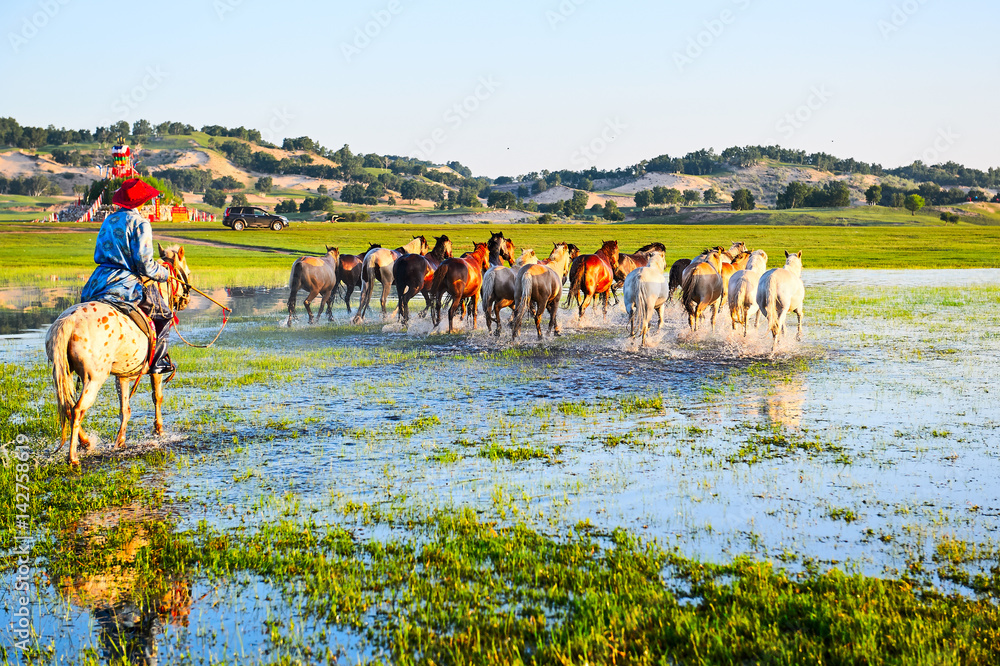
x=652, y=246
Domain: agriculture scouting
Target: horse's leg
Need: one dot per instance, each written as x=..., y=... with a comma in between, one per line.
x=604, y=297
x=539, y=311
x=474, y=305
x=309, y=299
x=348, y=290
x=291, y=308
x=157, y=381
x=798, y=334
x=385, y=294
x=123, y=384
x=88, y=395
x=715, y=312
x=496, y=307
x=553, y=324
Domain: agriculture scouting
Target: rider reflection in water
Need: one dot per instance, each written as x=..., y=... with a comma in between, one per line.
x=124, y=255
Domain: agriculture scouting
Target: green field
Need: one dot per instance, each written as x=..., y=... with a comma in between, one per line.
x=220, y=257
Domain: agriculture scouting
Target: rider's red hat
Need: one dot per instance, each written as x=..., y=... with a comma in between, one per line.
x=133, y=193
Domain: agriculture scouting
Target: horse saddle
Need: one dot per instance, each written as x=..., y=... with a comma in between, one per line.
x=142, y=320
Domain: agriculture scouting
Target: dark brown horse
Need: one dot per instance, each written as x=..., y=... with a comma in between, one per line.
x=629, y=262
x=414, y=274
x=318, y=276
x=676, y=276
x=500, y=249
x=460, y=278
x=378, y=266
x=595, y=273
x=349, y=275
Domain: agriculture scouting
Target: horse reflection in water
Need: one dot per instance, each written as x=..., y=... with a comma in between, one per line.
x=131, y=612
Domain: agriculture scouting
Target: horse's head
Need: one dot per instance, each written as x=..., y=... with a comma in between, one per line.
x=657, y=260
x=528, y=256
x=610, y=249
x=333, y=253
x=793, y=261
x=507, y=250
x=179, y=292
x=424, y=247
x=574, y=251
x=444, y=243
x=481, y=253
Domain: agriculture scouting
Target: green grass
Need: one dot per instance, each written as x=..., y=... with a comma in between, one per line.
x=33, y=256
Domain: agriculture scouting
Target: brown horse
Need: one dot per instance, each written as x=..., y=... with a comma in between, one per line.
x=349, y=275
x=414, y=274
x=676, y=276
x=95, y=340
x=318, y=276
x=702, y=287
x=460, y=278
x=538, y=288
x=595, y=273
x=629, y=262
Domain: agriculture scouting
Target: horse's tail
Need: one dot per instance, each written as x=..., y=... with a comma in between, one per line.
x=739, y=302
x=486, y=293
x=771, y=309
x=574, y=288
x=642, y=312
x=522, y=296
x=294, y=281
x=686, y=298
x=61, y=373
x=367, y=285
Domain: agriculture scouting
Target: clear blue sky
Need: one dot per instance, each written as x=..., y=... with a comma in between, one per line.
x=884, y=81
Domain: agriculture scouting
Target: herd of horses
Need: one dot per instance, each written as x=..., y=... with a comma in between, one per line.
x=529, y=285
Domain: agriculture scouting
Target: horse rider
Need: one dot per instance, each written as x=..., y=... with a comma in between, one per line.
x=124, y=257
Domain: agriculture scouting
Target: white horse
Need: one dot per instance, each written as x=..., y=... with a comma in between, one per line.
x=378, y=265
x=95, y=340
x=498, y=288
x=781, y=291
x=743, y=290
x=645, y=290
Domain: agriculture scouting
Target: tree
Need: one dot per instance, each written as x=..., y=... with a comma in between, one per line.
x=375, y=190
x=409, y=190
x=392, y=200
x=322, y=189
x=353, y=193
x=215, y=198
x=500, y=199
x=643, y=198
x=794, y=196
x=873, y=195
x=691, y=196
x=711, y=195
x=611, y=211
x=577, y=204
x=264, y=184
x=913, y=203
x=743, y=200
x=141, y=129
x=287, y=206
x=898, y=198
x=239, y=199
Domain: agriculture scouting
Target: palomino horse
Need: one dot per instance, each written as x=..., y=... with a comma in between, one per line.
x=743, y=290
x=644, y=288
x=595, y=273
x=96, y=340
x=498, y=288
x=317, y=275
x=538, y=287
x=378, y=265
x=781, y=291
x=702, y=287
x=629, y=262
x=349, y=274
x=738, y=263
x=460, y=278
x=414, y=274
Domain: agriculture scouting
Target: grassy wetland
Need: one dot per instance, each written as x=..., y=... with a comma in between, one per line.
x=370, y=494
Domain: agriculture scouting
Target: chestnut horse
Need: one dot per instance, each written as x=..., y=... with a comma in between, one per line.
x=377, y=265
x=349, y=274
x=96, y=340
x=318, y=276
x=595, y=273
x=460, y=278
x=414, y=274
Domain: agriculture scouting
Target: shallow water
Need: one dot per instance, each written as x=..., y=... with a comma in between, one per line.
x=886, y=403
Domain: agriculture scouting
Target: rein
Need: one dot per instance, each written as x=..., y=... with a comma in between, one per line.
x=177, y=283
